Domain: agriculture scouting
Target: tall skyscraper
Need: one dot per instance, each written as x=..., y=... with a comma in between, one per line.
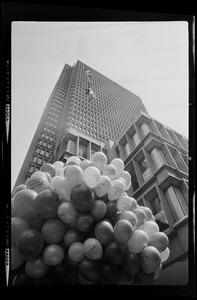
x=87, y=101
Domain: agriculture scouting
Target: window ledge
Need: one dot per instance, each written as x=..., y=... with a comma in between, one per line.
x=181, y=173
x=142, y=187
x=164, y=166
x=180, y=223
x=134, y=151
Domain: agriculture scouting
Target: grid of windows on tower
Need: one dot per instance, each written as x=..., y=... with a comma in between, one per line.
x=49, y=135
x=107, y=110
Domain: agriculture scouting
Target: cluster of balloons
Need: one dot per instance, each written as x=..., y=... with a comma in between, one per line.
x=74, y=223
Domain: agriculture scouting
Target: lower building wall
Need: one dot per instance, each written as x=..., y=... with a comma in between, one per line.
x=175, y=274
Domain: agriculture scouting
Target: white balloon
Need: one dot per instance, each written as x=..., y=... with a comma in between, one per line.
x=91, y=176
x=141, y=216
x=110, y=171
x=126, y=203
x=74, y=175
x=126, y=175
x=103, y=186
x=123, y=180
x=38, y=183
x=92, y=248
x=64, y=170
x=128, y=186
x=150, y=228
x=159, y=240
x=119, y=164
x=58, y=167
x=19, y=188
x=75, y=159
x=147, y=211
x=99, y=160
x=138, y=241
x=165, y=254
x=117, y=189
x=84, y=164
x=38, y=174
x=61, y=186
x=130, y=216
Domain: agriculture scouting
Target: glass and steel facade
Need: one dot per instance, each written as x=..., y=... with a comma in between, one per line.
x=101, y=117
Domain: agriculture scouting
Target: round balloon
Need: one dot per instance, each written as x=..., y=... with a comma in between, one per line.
x=126, y=175
x=19, y=188
x=138, y=241
x=92, y=248
x=64, y=170
x=126, y=203
x=165, y=254
x=150, y=259
x=74, y=175
x=53, y=231
x=53, y=254
x=159, y=240
x=111, y=209
x=84, y=164
x=38, y=183
x=61, y=186
x=70, y=237
x=49, y=168
x=147, y=211
x=110, y=171
x=114, y=253
x=24, y=205
x=17, y=258
x=48, y=176
x=141, y=216
x=89, y=269
x=75, y=251
x=58, y=167
x=36, y=267
x=37, y=223
x=82, y=198
x=127, y=187
x=18, y=225
x=84, y=222
x=30, y=243
x=150, y=228
x=129, y=216
x=122, y=231
x=91, y=176
x=117, y=189
x=119, y=164
x=67, y=213
x=75, y=159
x=103, y=186
x=98, y=210
x=99, y=160
x=47, y=203
x=104, y=232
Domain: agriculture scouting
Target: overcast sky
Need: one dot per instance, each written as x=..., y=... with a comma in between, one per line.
x=148, y=58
